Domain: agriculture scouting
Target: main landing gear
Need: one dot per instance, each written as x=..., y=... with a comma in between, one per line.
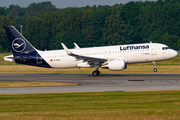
x=96, y=72
x=154, y=65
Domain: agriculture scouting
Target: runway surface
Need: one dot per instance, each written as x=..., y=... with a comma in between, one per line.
x=88, y=83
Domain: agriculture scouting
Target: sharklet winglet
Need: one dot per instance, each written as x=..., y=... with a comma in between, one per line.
x=76, y=46
x=66, y=49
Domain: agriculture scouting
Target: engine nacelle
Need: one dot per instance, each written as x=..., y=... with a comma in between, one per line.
x=83, y=65
x=117, y=65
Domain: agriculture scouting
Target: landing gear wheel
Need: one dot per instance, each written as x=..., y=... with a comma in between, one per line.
x=155, y=69
x=95, y=73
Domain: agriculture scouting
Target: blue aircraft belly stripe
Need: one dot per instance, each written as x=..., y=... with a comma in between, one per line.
x=32, y=59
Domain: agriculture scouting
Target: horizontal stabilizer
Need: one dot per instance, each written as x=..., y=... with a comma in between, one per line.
x=15, y=58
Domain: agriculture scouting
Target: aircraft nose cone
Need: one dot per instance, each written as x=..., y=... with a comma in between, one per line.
x=175, y=53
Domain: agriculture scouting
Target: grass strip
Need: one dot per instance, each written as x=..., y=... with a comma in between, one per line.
x=156, y=105
x=32, y=84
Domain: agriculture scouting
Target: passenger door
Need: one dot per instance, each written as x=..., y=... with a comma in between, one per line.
x=153, y=50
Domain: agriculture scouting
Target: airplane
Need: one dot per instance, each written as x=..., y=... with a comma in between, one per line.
x=111, y=57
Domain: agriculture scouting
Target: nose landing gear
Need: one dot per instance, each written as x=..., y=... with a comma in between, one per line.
x=154, y=65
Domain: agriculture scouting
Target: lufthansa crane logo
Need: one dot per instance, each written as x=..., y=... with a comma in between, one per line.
x=18, y=45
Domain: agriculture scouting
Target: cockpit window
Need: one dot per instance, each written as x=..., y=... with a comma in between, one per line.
x=165, y=48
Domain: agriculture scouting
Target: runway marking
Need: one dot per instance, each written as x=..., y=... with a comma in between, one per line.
x=136, y=80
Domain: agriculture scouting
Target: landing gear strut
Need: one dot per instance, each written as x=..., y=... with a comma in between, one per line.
x=96, y=72
x=154, y=65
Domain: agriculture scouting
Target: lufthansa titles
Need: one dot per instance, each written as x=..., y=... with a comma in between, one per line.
x=132, y=47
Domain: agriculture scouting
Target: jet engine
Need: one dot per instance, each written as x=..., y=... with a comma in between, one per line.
x=117, y=65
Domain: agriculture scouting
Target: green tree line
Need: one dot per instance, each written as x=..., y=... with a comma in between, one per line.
x=46, y=26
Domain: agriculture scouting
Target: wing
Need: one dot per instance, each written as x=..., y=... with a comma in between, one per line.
x=91, y=60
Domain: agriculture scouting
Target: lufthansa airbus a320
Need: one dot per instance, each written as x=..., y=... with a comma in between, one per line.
x=112, y=57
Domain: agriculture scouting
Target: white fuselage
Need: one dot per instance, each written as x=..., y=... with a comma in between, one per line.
x=134, y=53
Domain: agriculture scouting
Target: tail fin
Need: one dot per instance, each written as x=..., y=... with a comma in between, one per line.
x=18, y=43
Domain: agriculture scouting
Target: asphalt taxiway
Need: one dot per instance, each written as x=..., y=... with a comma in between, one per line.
x=88, y=83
